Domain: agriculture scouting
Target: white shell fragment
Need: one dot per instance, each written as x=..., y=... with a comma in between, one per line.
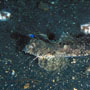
x=4, y=15
x=85, y=28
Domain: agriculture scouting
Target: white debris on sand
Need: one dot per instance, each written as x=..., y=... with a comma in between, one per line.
x=85, y=28
x=4, y=15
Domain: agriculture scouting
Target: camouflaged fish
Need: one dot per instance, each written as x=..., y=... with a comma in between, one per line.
x=52, y=54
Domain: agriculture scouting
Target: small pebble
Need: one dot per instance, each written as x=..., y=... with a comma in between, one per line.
x=26, y=86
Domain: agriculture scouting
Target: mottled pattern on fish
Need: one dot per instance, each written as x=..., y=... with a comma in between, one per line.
x=41, y=49
x=52, y=56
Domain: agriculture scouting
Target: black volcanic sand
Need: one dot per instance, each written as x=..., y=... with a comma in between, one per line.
x=40, y=16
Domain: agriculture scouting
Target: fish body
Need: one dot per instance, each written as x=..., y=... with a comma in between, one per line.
x=40, y=48
x=52, y=54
